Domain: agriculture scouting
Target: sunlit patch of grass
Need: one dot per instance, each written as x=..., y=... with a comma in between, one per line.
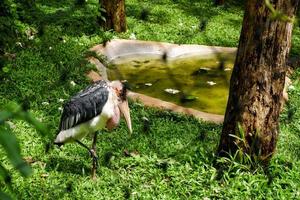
x=181, y=22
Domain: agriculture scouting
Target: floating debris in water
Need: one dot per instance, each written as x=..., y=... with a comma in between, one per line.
x=188, y=98
x=211, y=83
x=164, y=56
x=227, y=69
x=148, y=84
x=172, y=91
x=136, y=65
x=202, y=70
x=205, y=68
x=222, y=64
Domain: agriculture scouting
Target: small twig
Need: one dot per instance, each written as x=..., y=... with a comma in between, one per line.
x=278, y=14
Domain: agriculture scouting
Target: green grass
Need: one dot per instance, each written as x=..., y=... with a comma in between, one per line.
x=175, y=158
x=180, y=22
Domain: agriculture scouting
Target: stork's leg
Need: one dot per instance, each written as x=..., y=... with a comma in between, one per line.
x=95, y=158
x=91, y=151
x=83, y=145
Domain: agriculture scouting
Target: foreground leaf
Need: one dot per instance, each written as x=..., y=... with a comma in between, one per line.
x=12, y=148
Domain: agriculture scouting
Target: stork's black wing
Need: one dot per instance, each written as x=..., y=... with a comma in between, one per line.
x=85, y=105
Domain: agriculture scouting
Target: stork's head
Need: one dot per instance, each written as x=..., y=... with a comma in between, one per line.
x=121, y=93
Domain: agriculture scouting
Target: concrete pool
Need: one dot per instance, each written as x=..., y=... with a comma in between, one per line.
x=191, y=77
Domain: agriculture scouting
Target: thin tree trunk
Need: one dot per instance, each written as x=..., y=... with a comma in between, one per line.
x=219, y=2
x=6, y=32
x=257, y=80
x=115, y=16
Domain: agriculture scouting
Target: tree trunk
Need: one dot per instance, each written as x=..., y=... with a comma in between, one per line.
x=7, y=34
x=115, y=17
x=219, y=2
x=257, y=80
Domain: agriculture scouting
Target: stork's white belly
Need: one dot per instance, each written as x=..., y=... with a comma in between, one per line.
x=89, y=127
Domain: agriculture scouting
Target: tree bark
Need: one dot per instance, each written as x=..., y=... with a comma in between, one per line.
x=219, y=2
x=257, y=80
x=115, y=16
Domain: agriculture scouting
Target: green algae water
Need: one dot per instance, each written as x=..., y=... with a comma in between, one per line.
x=202, y=84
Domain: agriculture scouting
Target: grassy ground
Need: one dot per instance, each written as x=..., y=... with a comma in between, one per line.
x=173, y=158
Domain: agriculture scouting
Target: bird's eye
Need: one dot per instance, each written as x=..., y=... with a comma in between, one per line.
x=118, y=93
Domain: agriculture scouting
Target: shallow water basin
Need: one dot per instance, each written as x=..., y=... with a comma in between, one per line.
x=195, y=82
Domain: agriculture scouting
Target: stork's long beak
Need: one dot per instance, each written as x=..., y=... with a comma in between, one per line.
x=125, y=111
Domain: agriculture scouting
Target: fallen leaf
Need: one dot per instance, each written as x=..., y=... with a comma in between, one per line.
x=44, y=175
x=29, y=160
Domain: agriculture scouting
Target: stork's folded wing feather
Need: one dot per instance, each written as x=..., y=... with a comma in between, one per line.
x=84, y=106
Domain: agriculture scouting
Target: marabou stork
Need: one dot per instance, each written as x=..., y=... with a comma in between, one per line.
x=92, y=109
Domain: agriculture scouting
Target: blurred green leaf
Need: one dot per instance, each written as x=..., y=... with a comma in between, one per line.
x=33, y=121
x=14, y=110
x=5, y=69
x=12, y=107
x=4, y=115
x=4, y=196
x=12, y=148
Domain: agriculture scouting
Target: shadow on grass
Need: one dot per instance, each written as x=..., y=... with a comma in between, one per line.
x=203, y=11
x=73, y=20
x=72, y=166
x=146, y=14
x=168, y=135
